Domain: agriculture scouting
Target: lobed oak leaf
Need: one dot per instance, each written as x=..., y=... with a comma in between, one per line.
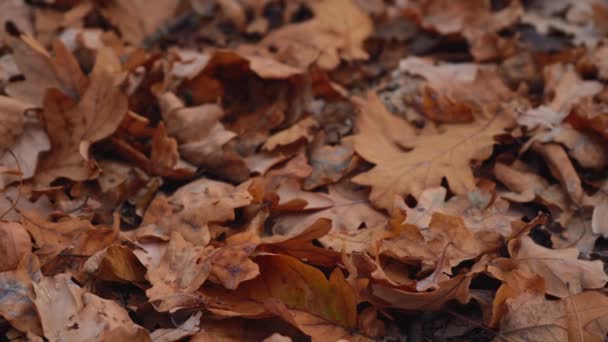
x=77, y=235
x=96, y=116
x=198, y=130
x=24, y=137
x=564, y=273
x=337, y=32
x=433, y=156
x=139, y=19
x=531, y=317
x=43, y=72
x=179, y=273
x=68, y=312
x=304, y=296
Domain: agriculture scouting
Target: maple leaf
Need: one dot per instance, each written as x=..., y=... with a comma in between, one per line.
x=433, y=157
x=96, y=116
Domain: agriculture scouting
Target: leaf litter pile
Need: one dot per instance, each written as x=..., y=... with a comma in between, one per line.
x=325, y=170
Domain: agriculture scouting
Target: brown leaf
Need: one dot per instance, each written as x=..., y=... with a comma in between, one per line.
x=198, y=130
x=24, y=136
x=11, y=121
x=180, y=272
x=337, y=32
x=317, y=305
x=116, y=263
x=299, y=130
x=188, y=328
x=77, y=235
x=14, y=245
x=16, y=304
x=230, y=265
x=67, y=312
x=561, y=168
x=564, y=273
x=139, y=19
x=43, y=72
x=433, y=157
x=96, y=116
x=581, y=317
x=456, y=288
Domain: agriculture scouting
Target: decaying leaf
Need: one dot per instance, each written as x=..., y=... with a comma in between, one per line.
x=433, y=156
x=563, y=272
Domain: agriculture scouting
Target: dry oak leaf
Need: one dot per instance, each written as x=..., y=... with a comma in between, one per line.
x=15, y=243
x=580, y=317
x=567, y=89
x=16, y=302
x=77, y=235
x=69, y=313
x=194, y=206
x=190, y=327
x=74, y=127
x=564, y=273
x=447, y=237
x=456, y=288
x=139, y=19
x=473, y=19
x=299, y=130
x=495, y=216
x=12, y=121
x=43, y=71
x=180, y=272
x=24, y=136
x=337, y=32
x=198, y=130
x=432, y=157
x=303, y=296
x=231, y=265
x=329, y=164
x=116, y=263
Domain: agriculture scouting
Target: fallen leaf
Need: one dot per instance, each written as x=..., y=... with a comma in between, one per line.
x=180, y=272
x=43, y=72
x=67, y=312
x=15, y=244
x=186, y=329
x=116, y=263
x=564, y=273
x=138, y=20
x=580, y=317
x=299, y=130
x=96, y=116
x=433, y=157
